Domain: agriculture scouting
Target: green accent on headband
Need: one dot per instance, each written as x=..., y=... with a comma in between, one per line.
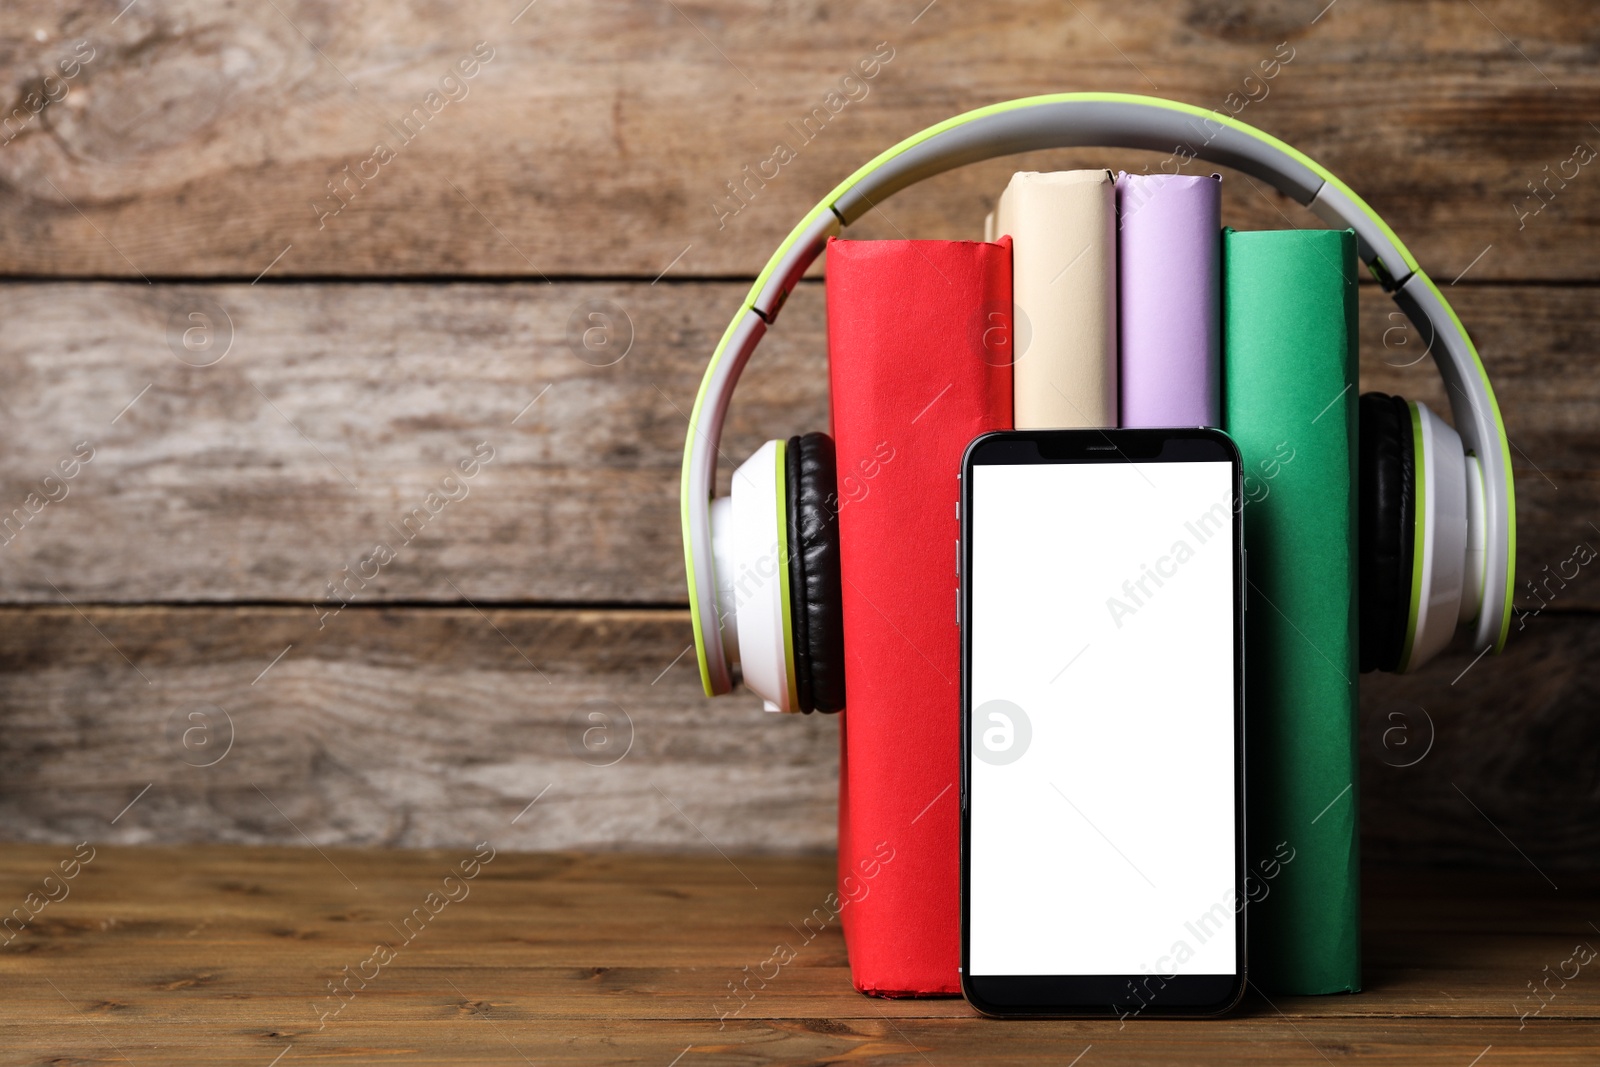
x=688, y=564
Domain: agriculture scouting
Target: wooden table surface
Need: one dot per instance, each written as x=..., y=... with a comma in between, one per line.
x=227, y=954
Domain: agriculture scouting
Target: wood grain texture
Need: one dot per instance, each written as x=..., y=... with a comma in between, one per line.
x=340, y=407
x=200, y=139
x=224, y=954
x=1491, y=763
x=395, y=727
x=410, y=726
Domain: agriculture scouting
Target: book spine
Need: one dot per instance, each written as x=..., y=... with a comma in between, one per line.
x=1169, y=269
x=1289, y=329
x=1063, y=229
x=920, y=363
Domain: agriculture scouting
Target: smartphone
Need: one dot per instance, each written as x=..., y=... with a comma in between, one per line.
x=1102, y=793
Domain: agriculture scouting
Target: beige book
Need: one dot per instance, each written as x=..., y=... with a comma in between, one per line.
x=1063, y=228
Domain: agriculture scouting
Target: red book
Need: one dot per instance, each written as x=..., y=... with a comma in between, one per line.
x=919, y=349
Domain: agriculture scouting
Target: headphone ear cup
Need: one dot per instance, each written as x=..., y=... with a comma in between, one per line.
x=815, y=595
x=1386, y=528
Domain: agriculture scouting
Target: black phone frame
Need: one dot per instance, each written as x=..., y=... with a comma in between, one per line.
x=1102, y=996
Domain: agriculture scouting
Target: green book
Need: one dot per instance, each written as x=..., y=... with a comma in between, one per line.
x=1289, y=370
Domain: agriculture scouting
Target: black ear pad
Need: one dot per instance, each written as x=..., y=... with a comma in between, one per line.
x=1387, y=526
x=815, y=600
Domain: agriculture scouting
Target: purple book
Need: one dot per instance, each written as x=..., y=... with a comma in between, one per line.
x=1169, y=259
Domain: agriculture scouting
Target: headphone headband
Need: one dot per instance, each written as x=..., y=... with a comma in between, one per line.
x=1110, y=120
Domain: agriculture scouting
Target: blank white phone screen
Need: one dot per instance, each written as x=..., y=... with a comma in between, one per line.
x=1102, y=689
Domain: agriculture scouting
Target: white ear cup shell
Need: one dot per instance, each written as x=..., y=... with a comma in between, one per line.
x=1441, y=537
x=759, y=577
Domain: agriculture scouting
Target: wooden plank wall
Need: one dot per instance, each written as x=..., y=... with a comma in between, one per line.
x=393, y=224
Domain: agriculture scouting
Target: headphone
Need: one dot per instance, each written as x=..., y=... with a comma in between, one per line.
x=1437, y=525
